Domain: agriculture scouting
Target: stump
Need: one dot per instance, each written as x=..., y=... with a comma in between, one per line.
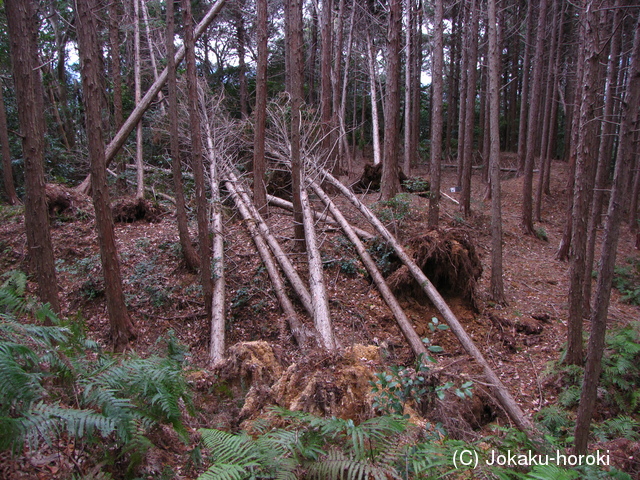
x=129, y=210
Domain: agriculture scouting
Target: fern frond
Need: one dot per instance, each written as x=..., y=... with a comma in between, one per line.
x=337, y=465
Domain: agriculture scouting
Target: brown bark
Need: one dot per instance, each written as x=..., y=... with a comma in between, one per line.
x=23, y=37
x=325, y=71
x=436, y=114
x=197, y=159
x=532, y=123
x=462, y=89
x=87, y=13
x=470, y=109
x=390, y=182
x=259, y=161
x=116, y=79
x=497, y=285
x=242, y=67
x=188, y=252
x=524, y=96
x=294, y=9
x=617, y=203
x=5, y=151
x=584, y=180
x=138, y=94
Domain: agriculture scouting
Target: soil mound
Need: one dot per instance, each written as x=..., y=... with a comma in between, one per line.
x=448, y=258
x=371, y=179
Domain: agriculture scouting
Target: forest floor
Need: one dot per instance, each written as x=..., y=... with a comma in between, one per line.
x=163, y=296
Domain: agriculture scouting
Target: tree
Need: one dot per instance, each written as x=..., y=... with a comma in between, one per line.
x=259, y=161
x=532, y=123
x=137, y=61
x=23, y=36
x=197, y=159
x=593, y=367
x=188, y=252
x=7, y=169
x=436, y=114
x=296, y=68
x=390, y=183
x=87, y=13
x=497, y=285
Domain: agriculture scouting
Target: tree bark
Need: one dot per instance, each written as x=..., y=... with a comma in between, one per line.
x=436, y=114
x=585, y=178
x=23, y=37
x=5, y=151
x=524, y=96
x=593, y=367
x=375, y=126
x=390, y=182
x=497, y=285
x=87, y=13
x=532, y=123
x=188, y=252
x=326, y=31
x=294, y=8
x=138, y=94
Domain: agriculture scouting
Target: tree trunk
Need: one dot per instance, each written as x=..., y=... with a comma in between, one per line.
x=5, y=151
x=259, y=160
x=390, y=182
x=317, y=288
x=87, y=12
x=294, y=8
x=462, y=88
x=197, y=159
x=436, y=114
x=375, y=126
x=524, y=96
x=593, y=367
x=532, y=123
x=116, y=79
x=583, y=189
x=409, y=24
x=497, y=285
x=604, y=153
x=138, y=94
x=23, y=37
x=188, y=252
x=326, y=51
x=470, y=108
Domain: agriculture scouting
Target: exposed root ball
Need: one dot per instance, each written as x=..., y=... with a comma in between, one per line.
x=371, y=179
x=449, y=259
x=252, y=364
x=59, y=198
x=129, y=210
x=279, y=184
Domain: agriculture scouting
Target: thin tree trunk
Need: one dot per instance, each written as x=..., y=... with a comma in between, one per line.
x=604, y=153
x=242, y=67
x=122, y=330
x=23, y=36
x=462, y=91
x=532, y=123
x=436, y=114
x=325, y=72
x=375, y=126
x=336, y=78
x=5, y=151
x=583, y=189
x=188, y=252
x=497, y=285
x=345, y=154
x=408, y=85
x=524, y=96
x=593, y=367
x=259, y=160
x=197, y=159
x=470, y=108
x=390, y=182
x=294, y=7
x=138, y=94
x=116, y=79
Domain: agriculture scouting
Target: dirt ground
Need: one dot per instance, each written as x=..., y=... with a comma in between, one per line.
x=163, y=296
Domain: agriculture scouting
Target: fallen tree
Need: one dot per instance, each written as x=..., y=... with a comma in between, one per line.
x=499, y=390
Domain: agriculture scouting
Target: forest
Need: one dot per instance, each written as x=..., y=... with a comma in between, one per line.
x=287, y=239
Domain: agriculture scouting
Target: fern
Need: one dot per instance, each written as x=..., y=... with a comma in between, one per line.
x=338, y=465
x=618, y=427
